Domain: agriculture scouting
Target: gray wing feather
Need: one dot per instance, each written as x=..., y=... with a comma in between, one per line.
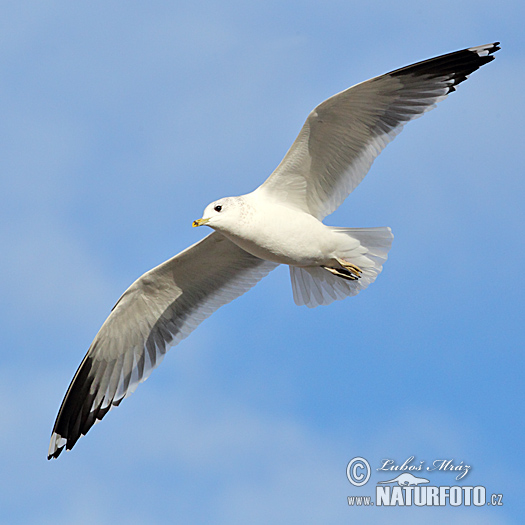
x=343, y=135
x=156, y=312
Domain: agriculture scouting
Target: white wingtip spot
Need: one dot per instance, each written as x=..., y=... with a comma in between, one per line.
x=485, y=50
x=57, y=442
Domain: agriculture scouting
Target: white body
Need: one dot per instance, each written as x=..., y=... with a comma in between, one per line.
x=265, y=230
x=286, y=234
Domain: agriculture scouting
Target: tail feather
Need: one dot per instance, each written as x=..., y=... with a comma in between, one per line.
x=314, y=286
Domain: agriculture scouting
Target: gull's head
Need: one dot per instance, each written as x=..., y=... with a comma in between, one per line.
x=223, y=215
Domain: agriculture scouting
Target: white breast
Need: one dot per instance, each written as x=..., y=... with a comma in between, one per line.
x=282, y=234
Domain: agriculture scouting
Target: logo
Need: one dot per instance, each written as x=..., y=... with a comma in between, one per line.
x=407, y=489
x=407, y=480
x=355, y=478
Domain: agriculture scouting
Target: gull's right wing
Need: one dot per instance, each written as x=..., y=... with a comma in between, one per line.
x=156, y=312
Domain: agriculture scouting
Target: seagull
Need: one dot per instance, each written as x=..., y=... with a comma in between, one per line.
x=278, y=223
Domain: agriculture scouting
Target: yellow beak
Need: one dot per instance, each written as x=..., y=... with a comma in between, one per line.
x=199, y=222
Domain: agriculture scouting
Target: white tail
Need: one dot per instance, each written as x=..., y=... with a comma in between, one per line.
x=314, y=286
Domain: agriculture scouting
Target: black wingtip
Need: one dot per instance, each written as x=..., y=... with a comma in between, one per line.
x=72, y=418
x=454, y=67
x=486, y=52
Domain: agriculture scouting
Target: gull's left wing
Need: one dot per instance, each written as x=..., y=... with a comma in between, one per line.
x=156, y=312
x=343, y=135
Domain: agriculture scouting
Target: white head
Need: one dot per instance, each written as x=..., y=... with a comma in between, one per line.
x=224, y=214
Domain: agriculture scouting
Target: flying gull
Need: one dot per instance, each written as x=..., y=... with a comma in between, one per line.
x=278, y=223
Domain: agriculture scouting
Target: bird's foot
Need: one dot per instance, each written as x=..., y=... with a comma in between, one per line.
x=352, y=268
x=348, y=271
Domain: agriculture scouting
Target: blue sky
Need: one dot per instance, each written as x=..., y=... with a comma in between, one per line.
x=120, y=122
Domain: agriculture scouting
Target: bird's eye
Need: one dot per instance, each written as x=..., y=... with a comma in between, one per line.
x=218, y=208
